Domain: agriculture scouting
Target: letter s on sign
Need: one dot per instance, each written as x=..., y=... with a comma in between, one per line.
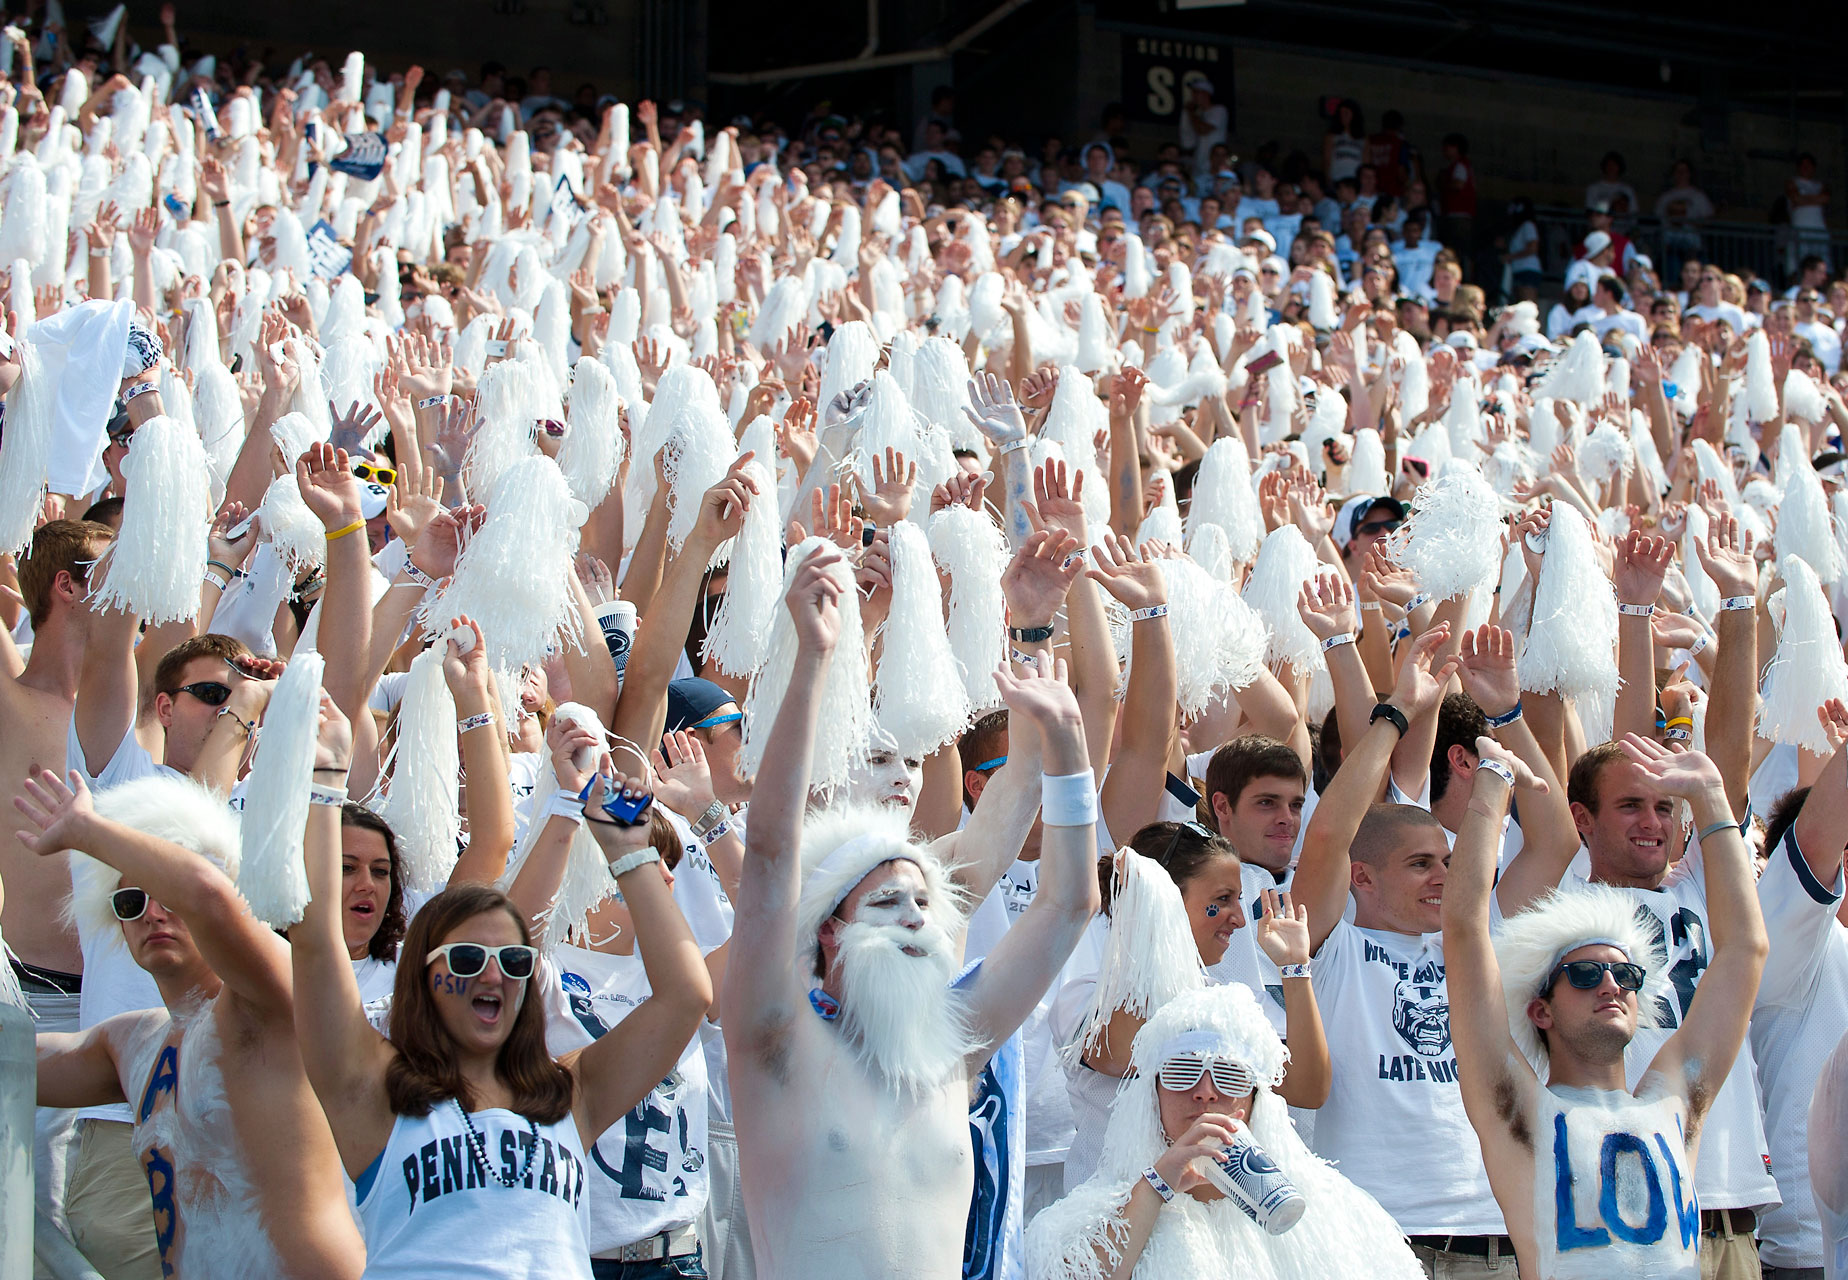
x=1161, y=91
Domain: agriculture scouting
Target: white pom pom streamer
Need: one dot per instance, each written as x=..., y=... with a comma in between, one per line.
x=1802, y=399
x=592, y=453
x=271, y=875
x=686, y=423
x=514, y=576
x=845, y=721
x=1452, y=541
x=1578, y=375
x=1286, y=561
x=1807, y=668
x=1223, y=497
x=25, y=450
x=740, y=632
x=1712, y=467
x=968, y=547
x=1149, y=954
x=1804, y=529
x=158, y=558
x=921, y=702
x=1760, y=382
x=1367, y=468
x=421, y=804
x=299, y=536
x=1572, y=639
x=852, y=353
x=1219, y=640
x=940, y=390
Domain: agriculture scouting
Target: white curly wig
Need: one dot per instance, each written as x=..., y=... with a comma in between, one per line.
x=1529, y=946
x=840, y=845
x=168, y=807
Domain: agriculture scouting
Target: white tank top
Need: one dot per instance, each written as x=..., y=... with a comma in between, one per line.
x=428, y=1207
x=1613, y=1188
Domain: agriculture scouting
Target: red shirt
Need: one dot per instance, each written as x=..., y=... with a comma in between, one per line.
x=1457, y=189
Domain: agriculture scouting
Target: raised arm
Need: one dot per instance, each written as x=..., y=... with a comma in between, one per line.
x=616, y=1072
x=1642, y=561
x=1727, y=558
x=1029, y=956
x=1699, y=1054
x=760, y=988
x=1001, y=422
x=1323, y=871
x=488, y=801
x=1131, y=795
x=107, y=690
x=241, y=950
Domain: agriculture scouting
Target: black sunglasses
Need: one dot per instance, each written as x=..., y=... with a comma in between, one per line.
x=468, y=959
x=1587, y=974
x=1379, y=526
x=210, y=692
x=1174, y=841
x=129, y=904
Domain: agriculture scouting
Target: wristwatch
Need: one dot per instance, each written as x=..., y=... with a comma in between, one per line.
x=1031, y=635
x=1386, y=711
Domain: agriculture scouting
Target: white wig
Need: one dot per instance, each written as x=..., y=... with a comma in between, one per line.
x=168, y=807
x=1529, y=946
x=841, y=846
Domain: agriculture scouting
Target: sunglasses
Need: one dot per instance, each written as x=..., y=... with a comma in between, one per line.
x=372, y=471
x=468, y=959
x=1379, y=526
x=1183, y=1071
x=210, y=692
x=1174, y=842
x=129, y=904
x=1587, y=974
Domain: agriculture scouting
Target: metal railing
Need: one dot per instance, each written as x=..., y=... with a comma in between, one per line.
x=1767, y=250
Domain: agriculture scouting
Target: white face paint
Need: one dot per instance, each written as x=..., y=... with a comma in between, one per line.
x=885, y=777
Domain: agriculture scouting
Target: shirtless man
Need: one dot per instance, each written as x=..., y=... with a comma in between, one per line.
x=851, y=1058
x=1595, y=1179
x=237, y=1153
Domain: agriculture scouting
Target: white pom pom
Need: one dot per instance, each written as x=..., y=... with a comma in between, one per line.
x=845, y=721
x=940, y=390
x=852, y=353
x=271, y=876
x=921, y=702
x=740, y=632
x=1685, y=375
x=1072, y=422
x=1572, y=640
x=421, y=804
x=159, y=556
x=1578, y=375
x=1367, y=468
x=1802, y=399
x=1804, y=529
x=1463, y=420
x=1712, y=467
x=1807, y=669
x=514, y=576
x=1219, y=640
x=1760, y=383
x=1093, y=334
x=1162, y=525
x=298, y=534
x=968, y=547
x=1415, y=379
x=1149, y=955
x=686, y=423
x=25, y=450
x=1223, y=497
x=1452, y=542
x=1286, y=561
x=592, y=451
x=1322, y=313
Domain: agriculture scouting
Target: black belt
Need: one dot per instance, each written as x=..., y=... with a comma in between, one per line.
x=43, y=981
x=1713, y=1222
x=1474, y=1246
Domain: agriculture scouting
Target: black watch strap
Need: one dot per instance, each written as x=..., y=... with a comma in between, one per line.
x=1386, y=711
x=1031, y=635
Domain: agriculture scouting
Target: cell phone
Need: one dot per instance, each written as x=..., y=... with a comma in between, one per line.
x=1264, y=363
x=628, y=811
x=241, y=528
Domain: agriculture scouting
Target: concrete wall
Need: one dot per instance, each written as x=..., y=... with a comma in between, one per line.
x=1534, y=138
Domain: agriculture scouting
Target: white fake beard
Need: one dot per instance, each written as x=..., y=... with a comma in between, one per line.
x=899, y=1008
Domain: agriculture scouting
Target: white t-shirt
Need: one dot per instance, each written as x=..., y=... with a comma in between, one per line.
x=1797, y=1020
x=1394, y=1120
x=1562, y=320
x=1201, y=142
x=1734, y=1170
x=427, y=1207
x=647, y=1171
x=1726, y=311
x=522, y=779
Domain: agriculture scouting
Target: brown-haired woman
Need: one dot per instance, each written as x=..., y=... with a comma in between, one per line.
x=464, y=1137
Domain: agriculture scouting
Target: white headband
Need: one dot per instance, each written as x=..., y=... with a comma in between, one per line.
x=843, y=854
x=1568, y=949
x=1206, y=1043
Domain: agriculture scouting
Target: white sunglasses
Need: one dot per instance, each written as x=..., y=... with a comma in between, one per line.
x=1231, y=1079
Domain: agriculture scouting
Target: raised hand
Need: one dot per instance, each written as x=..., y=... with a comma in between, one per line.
x=1727, y=557
x=1037, y=578
x=795, y=434
x=1834, y=716
x=1421, y=683
x=683, y=779
x=1486, y=668
x=1642, y=562
x=598, y=582
x=889, y=500
x=219, y=546
x=994, y=412
x=443, y=537
x=722, y=507
x=1040, y=693
x=1687, y=775
x=962, y=489
x=328, y=486
x=57, y=811
x=1525, y=778
x=1055, y=505
x=465, y=656
x=410, y=505
x=1036, y=389
x=1384, y=580
x=568, y=741
x=1283, y=929
x=813, y=601
x=1134, y=582
x=1325, y=603
x=352, y=427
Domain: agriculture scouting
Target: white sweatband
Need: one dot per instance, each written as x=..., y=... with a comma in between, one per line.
x=630, y=861
x=318, y=794
x=1068, y=800
x=565, y=804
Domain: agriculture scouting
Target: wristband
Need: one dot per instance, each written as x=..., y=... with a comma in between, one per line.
x=248, y=728
x=1677, y=735
x=431, y=402
x=713, y=815
x=1636, y=610
x=99, y=253
x=342, y=532
x=1506, y=718
x=1068, y=800
x=1680, y=722
x=220, y=564
x=1293, y=971
x=1733, y=603
x=1153, y=611
x=1497, y=768
x=1031, y=635
x=1411, y=605
x=318, y=794
x=418, y=576
x=1154, y=1179
x=1011, y=446
x=220, y=583
x=219, y=204
x=340, y=769
x=718, y=833
x=1699, y=644
x=1714, y=829
x=1373, y=605
x=1386, y=711
x=481, y=721
x=1021, y=656
x=1335, y=642
x=565, y=804
x=135, y=389
x=630, y=861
